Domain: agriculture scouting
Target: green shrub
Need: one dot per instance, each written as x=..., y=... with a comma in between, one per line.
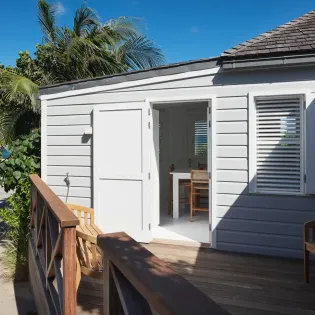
x=24, y=160
x=14, y=172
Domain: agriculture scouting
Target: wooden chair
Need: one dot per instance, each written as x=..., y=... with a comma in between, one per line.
x=182, y=182
x=199, y=187
x=309, y=246
x=89, y=256
x=84, y=214
x=202, y=166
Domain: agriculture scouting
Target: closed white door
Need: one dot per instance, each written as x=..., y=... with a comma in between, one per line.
x=122, y=141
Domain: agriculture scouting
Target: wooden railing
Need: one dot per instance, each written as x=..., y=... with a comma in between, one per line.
x=137, y=282
x=53, y=240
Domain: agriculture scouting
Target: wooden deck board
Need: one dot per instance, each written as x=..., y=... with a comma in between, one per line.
x=242, y=284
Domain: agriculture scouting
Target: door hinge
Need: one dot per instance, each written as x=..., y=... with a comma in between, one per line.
x=149, y=175
x=304, y=102
x=149, y=226
x=149, y=125
x=209, y=124
x=210, y=228
x=209, y=110
x=149, y=112
x=304, y=178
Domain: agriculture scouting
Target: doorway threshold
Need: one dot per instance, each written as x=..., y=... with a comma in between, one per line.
x=193, y=244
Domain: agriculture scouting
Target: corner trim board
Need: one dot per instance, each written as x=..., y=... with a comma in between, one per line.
x=44, y=140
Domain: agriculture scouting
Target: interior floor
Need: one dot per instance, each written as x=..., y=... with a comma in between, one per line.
x=182, y=229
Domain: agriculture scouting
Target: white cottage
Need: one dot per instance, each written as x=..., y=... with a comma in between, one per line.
x=248, y=114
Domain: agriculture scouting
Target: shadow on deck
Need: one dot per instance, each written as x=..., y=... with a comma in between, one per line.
x=241, y=284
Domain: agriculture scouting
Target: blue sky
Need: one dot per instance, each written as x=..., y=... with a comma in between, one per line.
x=185, y=30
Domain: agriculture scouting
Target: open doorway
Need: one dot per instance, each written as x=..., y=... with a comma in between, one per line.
x=181, y=133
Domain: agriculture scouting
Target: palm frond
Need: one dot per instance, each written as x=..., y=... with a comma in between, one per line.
x=124, y=27
x=106, y=37
x=85, y=59
x=47, y=20
x=20, y=88
x=85, y=20
x=7, y=125
x=139, y=52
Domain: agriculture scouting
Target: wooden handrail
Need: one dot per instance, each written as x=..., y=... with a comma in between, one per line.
x=64, y=216
x=53, y=245
x=166, y=292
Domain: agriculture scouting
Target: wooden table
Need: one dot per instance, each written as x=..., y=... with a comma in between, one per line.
x=177, y=176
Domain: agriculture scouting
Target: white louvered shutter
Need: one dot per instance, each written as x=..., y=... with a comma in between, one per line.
x=201, y=138
x=279, y=146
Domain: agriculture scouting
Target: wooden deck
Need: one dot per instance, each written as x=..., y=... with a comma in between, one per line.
x=242, y=284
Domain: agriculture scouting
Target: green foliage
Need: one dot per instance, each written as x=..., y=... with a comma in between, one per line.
x=92, y=48
x=89, y=49
x=16, y=217
x=14, y=172
x=24, y=160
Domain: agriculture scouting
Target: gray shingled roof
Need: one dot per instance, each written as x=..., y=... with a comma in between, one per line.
x=297, y=36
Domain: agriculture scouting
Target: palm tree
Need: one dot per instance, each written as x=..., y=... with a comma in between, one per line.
x=91, y=48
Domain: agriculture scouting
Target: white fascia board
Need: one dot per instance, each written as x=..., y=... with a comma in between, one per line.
x=179, y=98
x=159, y=79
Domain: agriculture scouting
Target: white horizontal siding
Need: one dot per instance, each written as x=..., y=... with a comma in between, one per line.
x=232, y=127
x=66, y=130
x=80, y=192
x=232, y=164
x=261, y=224
x=69, y=140
x=261, y=214
x=83, y=109
x=69, y=161
x=73, y=180
x=71, y=170
x=69, y=120
x=232, y=102
x=232, y=139
x=232, y=188
x=232, y=151
x=55, y=150
x=232, y=115
x=267, y=202
x=276, y=228
x=232, y=176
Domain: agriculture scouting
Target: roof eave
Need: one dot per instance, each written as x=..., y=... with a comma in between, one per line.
x=192, y=65
x=268, y=61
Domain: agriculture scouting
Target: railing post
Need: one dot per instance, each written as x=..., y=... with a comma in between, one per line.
x=69, y=272
x=106, y=286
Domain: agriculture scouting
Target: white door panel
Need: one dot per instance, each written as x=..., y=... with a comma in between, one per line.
x=210, y=157
x=121, y=155
x=155, y=168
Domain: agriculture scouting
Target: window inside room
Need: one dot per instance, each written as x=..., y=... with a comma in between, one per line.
x=278, y=144
x=200, y=138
